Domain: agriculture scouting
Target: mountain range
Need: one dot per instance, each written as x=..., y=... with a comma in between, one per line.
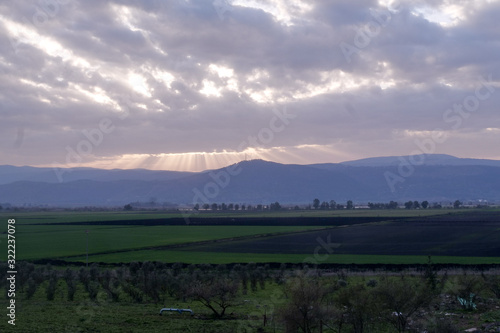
x=435, y=178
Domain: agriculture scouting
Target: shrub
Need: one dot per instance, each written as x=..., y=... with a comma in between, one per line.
x=466, y=289
x=31, y=289
x=71, y=285
x=93, y=290
x=134, y=292
x=492, y=283
x=51, y=287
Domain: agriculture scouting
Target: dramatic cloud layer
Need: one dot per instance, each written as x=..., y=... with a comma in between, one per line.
x=199, y=84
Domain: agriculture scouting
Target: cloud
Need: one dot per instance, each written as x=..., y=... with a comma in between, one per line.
x=178, y=77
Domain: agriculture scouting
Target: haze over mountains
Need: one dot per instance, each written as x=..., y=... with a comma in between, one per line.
x=434, y=178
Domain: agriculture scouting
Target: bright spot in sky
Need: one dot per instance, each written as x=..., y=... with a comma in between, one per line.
x=164, y=77
x=139, y=84
x=222, y=71
x=446, y=15
x=209, y=89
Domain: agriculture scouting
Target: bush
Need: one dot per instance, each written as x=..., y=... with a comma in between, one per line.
x=466, y=288
x=30, y=291
x=71, y=284
x=134, y=292
x=84, y=276
x=93, y=290
x=51, y=287
x=492, y=283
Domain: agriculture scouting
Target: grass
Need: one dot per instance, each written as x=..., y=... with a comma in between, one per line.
x=82, y=315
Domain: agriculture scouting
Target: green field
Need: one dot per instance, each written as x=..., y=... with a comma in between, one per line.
x=54, y=241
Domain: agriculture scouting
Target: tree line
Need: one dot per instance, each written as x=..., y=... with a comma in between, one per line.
x=317, y=204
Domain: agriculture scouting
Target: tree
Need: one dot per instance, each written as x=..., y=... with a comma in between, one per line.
x=214, y=206
x=217, y=294
x=236, y=207
x=275, y=206
x=401, y=298
x=392, y=205
x=425, y=204
x=416, y=205
x=333, y=204
x=206, y=206
x=358, y=306
x=304, y=309
x=127, y=207
x=316, y=203
x=349, y=205
x=409, y=204
x=457, y=204
x=196, y=207
x=230, y=206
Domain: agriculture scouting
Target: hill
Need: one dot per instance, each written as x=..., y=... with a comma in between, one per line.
x=258, y=181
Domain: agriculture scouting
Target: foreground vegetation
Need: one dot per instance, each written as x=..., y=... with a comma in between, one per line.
x=250, y=298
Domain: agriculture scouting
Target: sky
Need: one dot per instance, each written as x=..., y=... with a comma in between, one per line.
x=200, y=84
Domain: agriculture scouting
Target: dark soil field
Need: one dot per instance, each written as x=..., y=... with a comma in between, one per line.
x=462, y=235
x=238, y=221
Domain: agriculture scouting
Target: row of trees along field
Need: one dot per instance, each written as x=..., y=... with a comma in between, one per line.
x=305, y=300
x=224, y=207
x=318, y=205
x=275, y=206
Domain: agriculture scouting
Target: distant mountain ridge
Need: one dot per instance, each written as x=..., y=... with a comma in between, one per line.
x=425, y=159
x=10, y=174
x=438, y=178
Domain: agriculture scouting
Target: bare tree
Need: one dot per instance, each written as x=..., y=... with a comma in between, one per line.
x=216, y=294
x=357, y=305
x=400, y=298
x=304, y=309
